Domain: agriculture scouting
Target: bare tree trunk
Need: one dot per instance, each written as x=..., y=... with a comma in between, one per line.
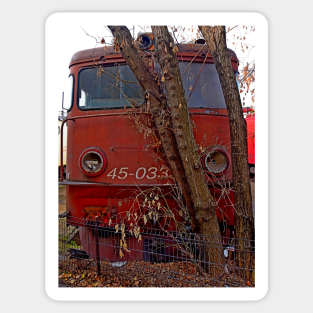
x=158, y=104
x=203, y=202
x=176, y=134
x=215, y=38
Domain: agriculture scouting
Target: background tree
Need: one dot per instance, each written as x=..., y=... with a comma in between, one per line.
x=215, y=38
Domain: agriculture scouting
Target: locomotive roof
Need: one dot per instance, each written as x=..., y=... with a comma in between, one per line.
x=97, y=54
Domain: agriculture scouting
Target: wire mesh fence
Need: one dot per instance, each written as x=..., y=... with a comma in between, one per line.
x=94, y=255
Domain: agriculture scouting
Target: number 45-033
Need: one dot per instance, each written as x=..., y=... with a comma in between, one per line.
x=141, y=173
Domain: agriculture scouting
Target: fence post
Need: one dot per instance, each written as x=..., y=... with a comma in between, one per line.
x=97, y=247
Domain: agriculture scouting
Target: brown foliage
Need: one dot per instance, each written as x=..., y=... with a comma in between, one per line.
x=143, y=274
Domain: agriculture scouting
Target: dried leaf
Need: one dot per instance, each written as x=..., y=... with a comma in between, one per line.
x=121, y=253
x=175, y=49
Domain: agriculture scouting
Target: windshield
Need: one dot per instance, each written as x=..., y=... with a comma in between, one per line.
x=116, y=86
x=108, y=87
x=202, y=85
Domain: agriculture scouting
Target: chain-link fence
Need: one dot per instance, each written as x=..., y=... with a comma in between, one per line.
x=91, y=255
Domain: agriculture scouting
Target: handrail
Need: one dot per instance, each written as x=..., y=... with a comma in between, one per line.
x=79, y=117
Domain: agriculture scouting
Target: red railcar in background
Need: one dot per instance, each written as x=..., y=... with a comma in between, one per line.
x=249, y=115
x=109, y=159
x=250, y=119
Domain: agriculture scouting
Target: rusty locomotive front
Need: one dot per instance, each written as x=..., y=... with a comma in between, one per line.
x=110, y=157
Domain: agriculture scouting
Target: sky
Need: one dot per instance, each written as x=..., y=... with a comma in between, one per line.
x=70, y=35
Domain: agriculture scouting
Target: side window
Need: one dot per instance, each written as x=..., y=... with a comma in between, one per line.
x=68, y=93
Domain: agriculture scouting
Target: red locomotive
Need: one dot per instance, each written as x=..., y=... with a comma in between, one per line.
x=109, y=159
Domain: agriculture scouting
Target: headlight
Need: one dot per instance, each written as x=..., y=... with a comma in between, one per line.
x=92, y=162
x=216, y=161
